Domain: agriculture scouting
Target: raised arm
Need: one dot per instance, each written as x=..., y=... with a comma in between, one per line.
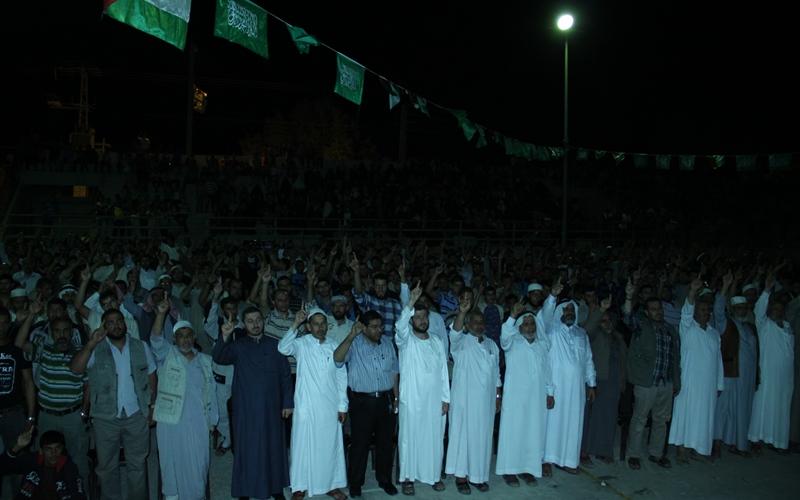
x=158, y=342
x=401, y=326
x=431, y=288
x=80, y=297
x=80, y=360
x=340, y=354
x=288, y=345
x=224, y=352
x=22, y=339
x=457, y=332
x=687, y=311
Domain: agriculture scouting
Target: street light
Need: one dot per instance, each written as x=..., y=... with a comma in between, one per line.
x=564, y=23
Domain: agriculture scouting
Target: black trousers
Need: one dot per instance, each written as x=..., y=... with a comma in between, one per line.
x=370, y=416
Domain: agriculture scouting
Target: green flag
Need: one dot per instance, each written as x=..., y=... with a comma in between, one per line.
x=244, y=23
x=745, y=163
x=164, y=19
x=618, y=157
x=780, y=162
x=599, y=155
x=349, y=79
x=481, y=137
x=663, y=162
x=582, y=155
x=641, y=160
x=302, y=40
x=556, y=153
x=719, y=160
x=465, y=123
x=394, y=96
x=687, y=162
x=421, y=104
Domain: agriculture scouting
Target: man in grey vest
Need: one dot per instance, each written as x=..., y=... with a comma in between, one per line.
x=122, y=382
x=653, y=367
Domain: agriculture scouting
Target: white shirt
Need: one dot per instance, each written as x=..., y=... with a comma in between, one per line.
x=126, y=394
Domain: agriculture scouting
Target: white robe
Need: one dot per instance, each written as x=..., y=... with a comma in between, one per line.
x=572, y=370
x=773, y=400
x=702, y=376
x=317, y=451
x=424, y=386
x=473, y=399
x=523, y=419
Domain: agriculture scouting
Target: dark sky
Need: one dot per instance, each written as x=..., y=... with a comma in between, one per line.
x=656, y=77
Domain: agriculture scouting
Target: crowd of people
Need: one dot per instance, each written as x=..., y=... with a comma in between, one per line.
x=442, y=355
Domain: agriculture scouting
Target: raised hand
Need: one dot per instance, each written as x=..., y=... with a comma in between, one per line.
x=517, y=309
x=630, y=289
x=464, y=304
x=696, y=284
x=605, y=304
x=300, y=317
x=86, y=273
x=266, y=275
x=416, y=293
x=402, y=271
x=163, y=306
x=227, y=327
x=217, y=290
x=357, y=328
x=354, y=264
x=97, y=336
x=727, y=279
x=24, y=439
x=557, y=288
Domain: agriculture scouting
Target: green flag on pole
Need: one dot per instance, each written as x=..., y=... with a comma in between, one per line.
x=421, y=104
x=244, y=23
x=663, y=162
x=641, y=160
x=618, y=157
x=302, y=40
x=164, y=19
x=481, y=137
x=687, y=162
x=719, y=160
x=599, y=154
x=349, y=79
x=394, y=96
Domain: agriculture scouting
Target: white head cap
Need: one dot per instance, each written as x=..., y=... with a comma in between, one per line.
x=19, y=293
x=738, y=300
x=182, y=324
x=749, y=286
x=533, y=287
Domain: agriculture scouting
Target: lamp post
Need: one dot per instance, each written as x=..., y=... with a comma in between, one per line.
x=564, y=23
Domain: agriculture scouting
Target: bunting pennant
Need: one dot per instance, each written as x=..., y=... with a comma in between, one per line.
x=244, y=23
x=481, y=137
x=745, y=163
x=582, y=154
x=719, y=161
x=780, y=162
x=421, y=104
x=618, y=157
x=349, y=79
x=302, y=40
x=663, y=162
x=394, y=96
x=599, y=155
x=687, y=162
x=466, y=125
x=640, y=160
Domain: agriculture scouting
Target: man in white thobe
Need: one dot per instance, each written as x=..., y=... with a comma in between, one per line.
x=527, y=395
x=773, y=400
x=424, y=397
x=185, y=409
x=320, y=407
x=475, y=398
x=739, y=346
x=701, y=368
x=574, y=378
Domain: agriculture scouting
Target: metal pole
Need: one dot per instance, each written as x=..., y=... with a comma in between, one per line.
x=566, y=148
x=189, y=100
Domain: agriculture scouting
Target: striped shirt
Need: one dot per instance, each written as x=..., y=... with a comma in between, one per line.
x=371, y=367
x=59, y=387
x=389, y=308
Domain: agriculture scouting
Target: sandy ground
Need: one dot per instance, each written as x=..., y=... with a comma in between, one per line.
x=769, y=476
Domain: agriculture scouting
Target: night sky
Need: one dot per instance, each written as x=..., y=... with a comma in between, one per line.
x=655, y=77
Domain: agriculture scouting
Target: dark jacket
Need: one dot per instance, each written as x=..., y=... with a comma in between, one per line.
x=641, y=358
x=68, y=484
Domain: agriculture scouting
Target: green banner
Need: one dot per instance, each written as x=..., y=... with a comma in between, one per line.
x=745, y=163
x=719, y=161
x=465, y=123
x=244, y=23
x=421, y=104
x=394, y=96
x=618, y=157
x=641, y=161
x=663, y=162
x=302, y=40
x=780, y=162
x=687, y=162
x=349, y=79
x=481, y=137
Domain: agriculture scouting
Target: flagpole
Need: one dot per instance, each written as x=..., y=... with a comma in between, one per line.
x=564, y=23
x=189, y=99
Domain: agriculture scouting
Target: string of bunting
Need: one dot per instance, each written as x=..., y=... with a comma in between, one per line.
x=244, y=23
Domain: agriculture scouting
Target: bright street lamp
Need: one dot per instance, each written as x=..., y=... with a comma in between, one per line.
x=564, y=23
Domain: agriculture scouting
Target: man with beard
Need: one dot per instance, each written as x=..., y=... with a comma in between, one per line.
x=424, y=397
x=185, y=409
x=63, y=395
x=773, y=399
x=701, y=365
x=527, y=396
x=338, y=324
x=574, y=379
x=740, y=366
x=320, y=399
x=388, y=307
x=475, y=398
x=122, y=375
x=262, y=395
